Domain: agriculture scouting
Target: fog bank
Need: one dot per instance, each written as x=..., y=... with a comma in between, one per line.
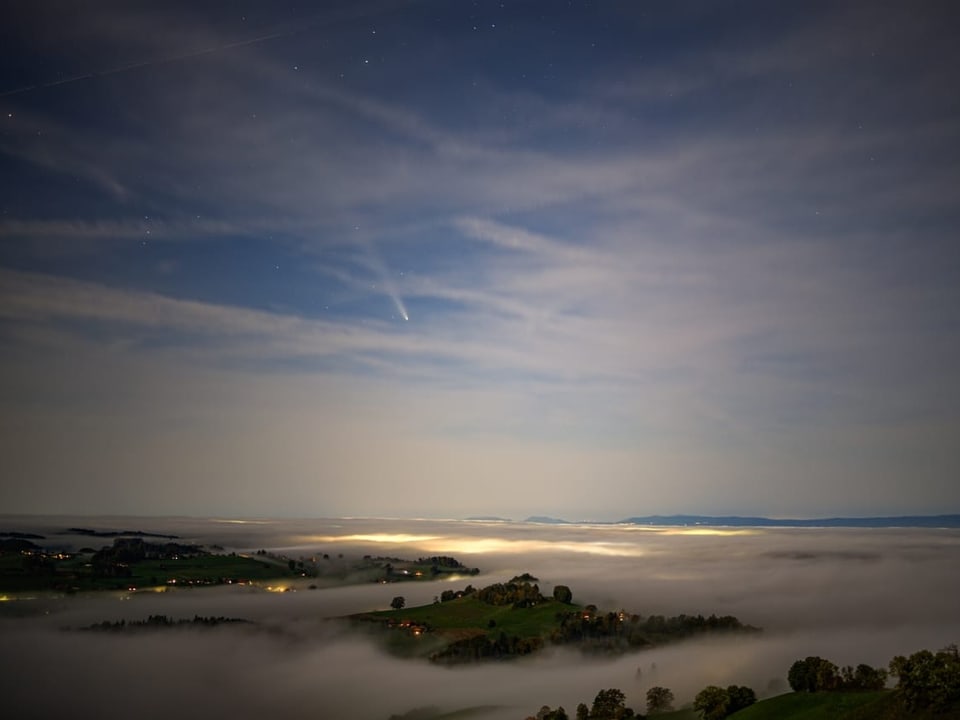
x=850, y=595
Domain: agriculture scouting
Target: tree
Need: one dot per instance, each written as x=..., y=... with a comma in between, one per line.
x=813, y=674
x=583, y=712
x=609, y=705
x=863, y=677
x=398, y=602
x=929, y=681
x=562, y=594
x=800, y=678
x=659, y=699
x=827, y=675
x=711, y=703
x=716, y=703
x=739, y=697
x=547, y=714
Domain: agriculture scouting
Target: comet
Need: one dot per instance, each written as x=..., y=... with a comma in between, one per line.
x=394, y=295
x=375, y=263
x=390, y=291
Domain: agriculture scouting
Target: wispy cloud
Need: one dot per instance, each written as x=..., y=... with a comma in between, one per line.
x=715, y=248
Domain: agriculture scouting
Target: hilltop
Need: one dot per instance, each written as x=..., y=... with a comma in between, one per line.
x=512, y=619
x=546, y=520
x=134, y=561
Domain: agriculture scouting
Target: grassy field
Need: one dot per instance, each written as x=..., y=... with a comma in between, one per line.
x=470, y=614
x=797, y=706
x=514, y=619
x=453, y=621
x=882, y=705
x=40, y=570
x=74, y=573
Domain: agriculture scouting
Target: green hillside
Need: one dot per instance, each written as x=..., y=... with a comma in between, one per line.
x=471, y=614
x=882, y=705
x=514, y=619
x=811, y=706
x=136, y=562
x=66, y=573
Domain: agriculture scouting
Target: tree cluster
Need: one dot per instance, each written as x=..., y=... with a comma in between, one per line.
x=448, y=595
x=518, y=594
x=716, y=703
x=713, y=703
x=114, y=560
x=815, y=674
x=613, y=631
x=547, y=713
x=441, y=561
x=163, y=621
x=927, y=680
x=482, y=647
x=659, y=699
x=436, y=562
x=525, y=577
x=130, y=550
x=609, y=704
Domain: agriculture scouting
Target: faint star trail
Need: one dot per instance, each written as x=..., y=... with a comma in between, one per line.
x=312, y=23
x=150, y=63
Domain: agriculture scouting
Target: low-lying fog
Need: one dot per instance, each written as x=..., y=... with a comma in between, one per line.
x=849, y=595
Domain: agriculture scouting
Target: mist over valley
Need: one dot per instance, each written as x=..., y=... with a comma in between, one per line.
x=855, y=596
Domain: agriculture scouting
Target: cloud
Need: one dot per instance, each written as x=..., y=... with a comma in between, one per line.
x=709, y=269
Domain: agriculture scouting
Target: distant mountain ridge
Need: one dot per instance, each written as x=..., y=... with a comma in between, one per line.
x=899, y=521
x=892, y=521
x=488, y=518
x=546, y=520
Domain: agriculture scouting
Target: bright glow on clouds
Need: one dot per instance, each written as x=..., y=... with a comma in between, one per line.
x=621, y=541
x=374, y=538
x=494, y=545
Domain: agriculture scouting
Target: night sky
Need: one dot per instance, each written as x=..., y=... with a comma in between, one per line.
x=443, y=258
